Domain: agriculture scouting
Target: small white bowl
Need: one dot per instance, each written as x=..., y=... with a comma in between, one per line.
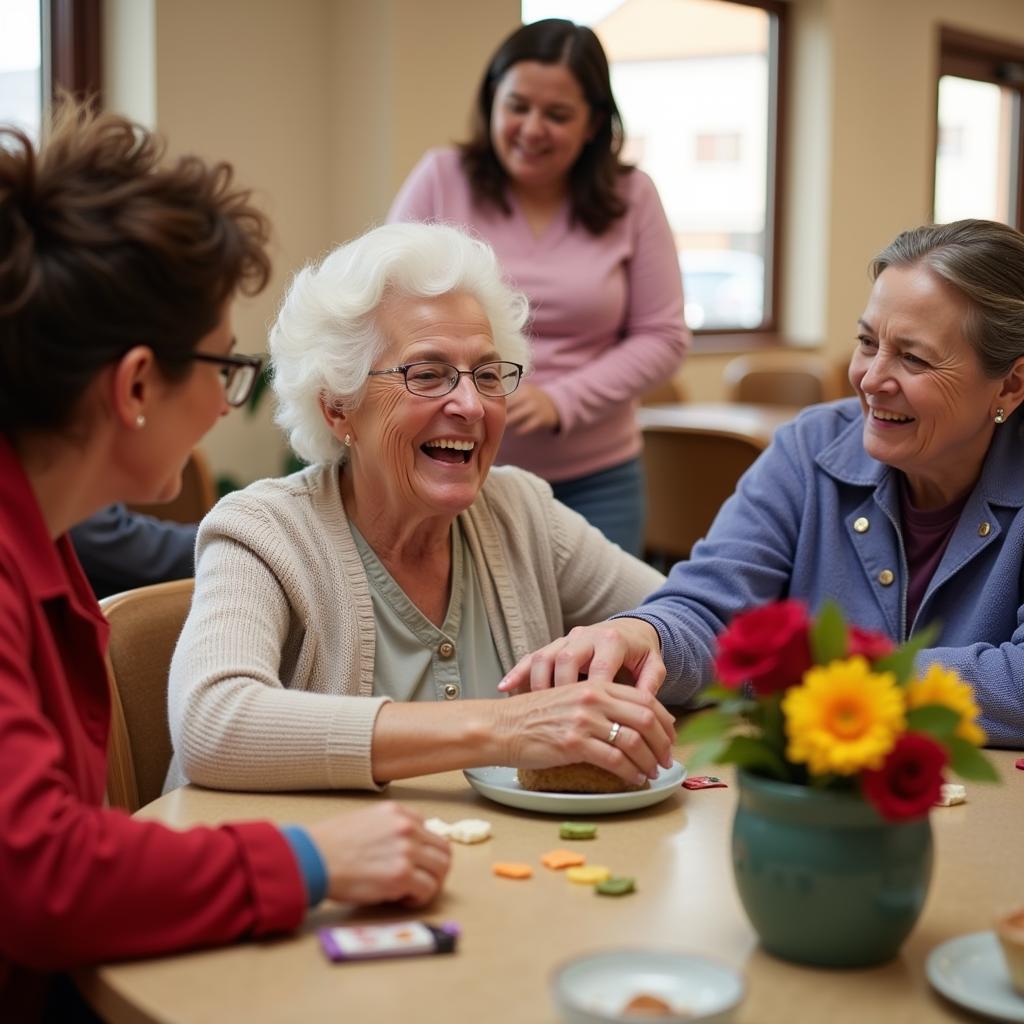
x=595, y=989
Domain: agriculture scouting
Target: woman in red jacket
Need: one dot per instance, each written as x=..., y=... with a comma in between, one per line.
x=117, y=276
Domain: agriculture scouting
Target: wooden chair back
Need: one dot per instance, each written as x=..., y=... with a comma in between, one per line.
x=691, y=471
x=669, y=390
x=144, y=627
x=777, y=378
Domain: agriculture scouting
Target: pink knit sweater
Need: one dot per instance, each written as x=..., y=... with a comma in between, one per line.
x=607, y=311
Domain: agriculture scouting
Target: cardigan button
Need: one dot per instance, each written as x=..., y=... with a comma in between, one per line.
x=886, y=577
x=451, y=691
x=861, y=524
x=985, y=529
x=446, y=650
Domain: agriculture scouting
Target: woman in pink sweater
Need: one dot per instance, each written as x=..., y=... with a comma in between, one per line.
x=585, y=237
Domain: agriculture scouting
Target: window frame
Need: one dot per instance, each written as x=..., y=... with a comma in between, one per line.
x=983, y=59
x=766, y=334
x=72, y=43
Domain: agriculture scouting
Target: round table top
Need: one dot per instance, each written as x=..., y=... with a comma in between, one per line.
x=514, y=933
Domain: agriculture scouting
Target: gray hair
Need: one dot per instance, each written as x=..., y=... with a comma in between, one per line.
x=984, y=261
x=325, y=339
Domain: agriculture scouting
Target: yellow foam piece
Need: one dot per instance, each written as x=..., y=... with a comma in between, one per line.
x=590, y=874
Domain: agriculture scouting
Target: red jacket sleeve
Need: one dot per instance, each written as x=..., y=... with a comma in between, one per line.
x=81, y=884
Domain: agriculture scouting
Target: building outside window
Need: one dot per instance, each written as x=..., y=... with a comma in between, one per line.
x=979, y=130
x=696, y=82
x=21, y=73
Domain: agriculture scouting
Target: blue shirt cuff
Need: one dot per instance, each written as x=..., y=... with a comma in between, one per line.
x=311, y=864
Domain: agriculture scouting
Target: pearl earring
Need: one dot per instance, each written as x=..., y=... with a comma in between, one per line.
x=140, y=421
x=348, y=440
x=1000, y=416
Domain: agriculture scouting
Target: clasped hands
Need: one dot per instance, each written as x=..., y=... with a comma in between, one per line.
x=576, y=722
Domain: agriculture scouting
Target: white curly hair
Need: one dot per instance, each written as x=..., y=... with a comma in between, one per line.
x=325, y=339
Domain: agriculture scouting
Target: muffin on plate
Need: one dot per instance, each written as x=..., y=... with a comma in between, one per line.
x=574, y=778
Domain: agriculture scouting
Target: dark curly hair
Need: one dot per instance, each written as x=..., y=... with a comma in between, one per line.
x=594, y=178
x=102, y=248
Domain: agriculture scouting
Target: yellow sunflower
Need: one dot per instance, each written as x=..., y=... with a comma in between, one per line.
x=943, y=686
x=843, y=718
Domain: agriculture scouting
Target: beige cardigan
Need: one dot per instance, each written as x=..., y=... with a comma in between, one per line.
x=271, y=684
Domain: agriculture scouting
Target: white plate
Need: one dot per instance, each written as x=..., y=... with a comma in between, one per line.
x=499, y=784
x=593, y=989
x=971, y=971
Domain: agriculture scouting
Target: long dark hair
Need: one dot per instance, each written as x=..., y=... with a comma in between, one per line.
x=594, y=178
x=103, y=248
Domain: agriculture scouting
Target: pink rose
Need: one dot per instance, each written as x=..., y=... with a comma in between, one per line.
x=909, y=781
x=768, y=647
x=868, y=643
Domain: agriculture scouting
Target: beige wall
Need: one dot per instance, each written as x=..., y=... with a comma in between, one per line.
x=883, y=116
x=324, y=106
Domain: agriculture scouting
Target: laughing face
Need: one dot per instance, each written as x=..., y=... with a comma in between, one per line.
x=418, y=458
x=928, y=407
x=540, y=122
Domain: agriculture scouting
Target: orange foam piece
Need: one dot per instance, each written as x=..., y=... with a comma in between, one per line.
x=513, y=870
x=557, y=859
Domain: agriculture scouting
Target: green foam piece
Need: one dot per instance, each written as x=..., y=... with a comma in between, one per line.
x=576, y=830
x=617, y=885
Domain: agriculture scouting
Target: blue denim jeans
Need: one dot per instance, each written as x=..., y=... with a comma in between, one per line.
x=613, y=500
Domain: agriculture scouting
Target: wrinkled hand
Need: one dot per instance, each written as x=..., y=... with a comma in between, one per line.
x=568, y=724
x=529, y=409
x=599, y=652
x=381, y=854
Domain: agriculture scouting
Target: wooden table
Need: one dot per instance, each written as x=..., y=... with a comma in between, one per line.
x=731, y=418
x=514, y=933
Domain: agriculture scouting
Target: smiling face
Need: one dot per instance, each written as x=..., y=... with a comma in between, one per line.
x=540, y=122
x=928, y=407
x=415, y=458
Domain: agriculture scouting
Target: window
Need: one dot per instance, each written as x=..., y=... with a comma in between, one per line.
x=712, y=147
x=714, y=163
x=46, y=44
x=21, y=72
x=980, y=130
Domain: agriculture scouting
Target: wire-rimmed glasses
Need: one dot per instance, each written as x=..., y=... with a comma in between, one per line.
x=496, y=379
x=238, y=372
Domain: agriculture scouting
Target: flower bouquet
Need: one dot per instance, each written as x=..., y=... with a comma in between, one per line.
x=837, y=707
x=841, y=748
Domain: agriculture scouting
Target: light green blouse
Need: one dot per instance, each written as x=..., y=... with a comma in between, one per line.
x=417, y=661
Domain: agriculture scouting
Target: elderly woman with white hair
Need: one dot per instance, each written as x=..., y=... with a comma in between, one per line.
x=343, y=615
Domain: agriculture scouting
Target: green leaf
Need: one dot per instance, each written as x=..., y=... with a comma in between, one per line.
x=748, y=752
x=706, y=753
x=717, y=693
x=969, y=762
x=828, y=635
x=936, y=719
x=901, y=663
x=739, y=707
x=259, y=389
x=705, y=726
x=773, y=724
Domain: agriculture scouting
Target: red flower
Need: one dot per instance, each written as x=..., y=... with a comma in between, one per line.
x=908, y=782
x=868, y=643
x=768, y=647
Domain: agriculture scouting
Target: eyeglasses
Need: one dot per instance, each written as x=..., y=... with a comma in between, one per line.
x=239, y=374
x=434, y=380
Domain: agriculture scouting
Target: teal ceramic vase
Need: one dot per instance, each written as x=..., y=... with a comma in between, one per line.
x=823, y=878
